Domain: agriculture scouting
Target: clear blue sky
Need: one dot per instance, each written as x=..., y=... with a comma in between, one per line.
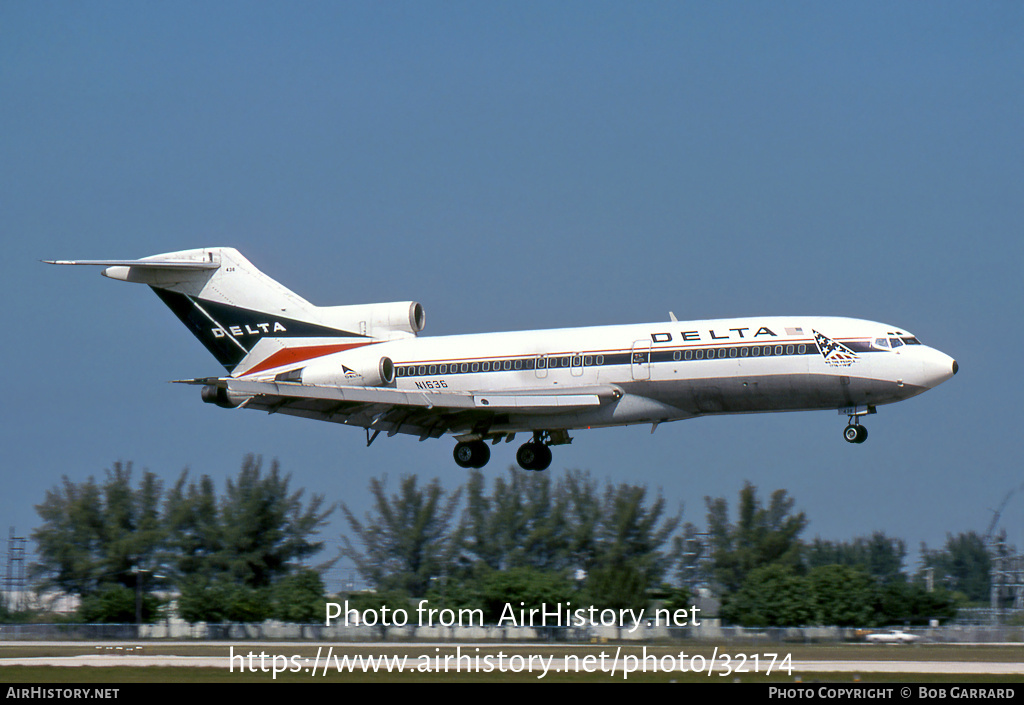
x=523, y=165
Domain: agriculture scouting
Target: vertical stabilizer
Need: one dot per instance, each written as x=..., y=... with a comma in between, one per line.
x=231, y=306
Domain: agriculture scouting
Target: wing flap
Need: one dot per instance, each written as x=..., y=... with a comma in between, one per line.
x=423, y=413
x=519, y=400
x=536, y=402
x=356, y=395
x=505, y=401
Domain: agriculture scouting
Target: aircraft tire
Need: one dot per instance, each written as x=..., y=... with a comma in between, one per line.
x=468, y=454
x=543, y=458
x=526, y=456
x=471, y=454
x=533, y=456
x=463, y=454
x=481, y=454
x=855, y=434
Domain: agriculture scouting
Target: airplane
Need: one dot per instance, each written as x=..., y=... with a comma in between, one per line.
x=366, y=366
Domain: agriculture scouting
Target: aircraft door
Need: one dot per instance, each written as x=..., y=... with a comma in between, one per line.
x=640, y=360
x=576, y=365
x=541, y=367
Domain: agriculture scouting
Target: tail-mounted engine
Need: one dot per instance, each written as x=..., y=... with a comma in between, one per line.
x=386, y=321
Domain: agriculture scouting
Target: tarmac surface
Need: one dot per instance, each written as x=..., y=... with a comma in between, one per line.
x=110, y=654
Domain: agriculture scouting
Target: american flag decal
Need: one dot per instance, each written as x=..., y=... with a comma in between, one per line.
x=834, y=352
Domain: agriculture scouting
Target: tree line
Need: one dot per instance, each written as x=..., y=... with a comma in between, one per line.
x=532, y=538
x=236, y=557
x=527, y=539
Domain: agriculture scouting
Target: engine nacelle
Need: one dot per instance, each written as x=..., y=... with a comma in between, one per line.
x=212, y=394
x=391, y=320
x=351, y=370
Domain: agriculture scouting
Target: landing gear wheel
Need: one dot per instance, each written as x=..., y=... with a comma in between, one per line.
x=533, y=456
x=855, y=434
x=471, y=454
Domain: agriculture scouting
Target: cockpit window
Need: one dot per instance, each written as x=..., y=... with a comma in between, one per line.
x=896, y=342
x=910, y=340
x=882, y=343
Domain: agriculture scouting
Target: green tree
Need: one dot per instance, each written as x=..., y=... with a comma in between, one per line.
x=627, y=558
x=840, y=595
x=521, y=522
x=201, y=599
x=911, y=603
x=68, y=541
x=963, y=565
x=95, y=537
x=223, y=555
x=299, y=597
x=266, y=528
x=523, y=587
x=616, y=536
x=407, y=538
x=228, y=555
x=761, y=536
x=772, y=595
x=583, y=506
x=194, y=546
x=879, y=555
x=116, y=604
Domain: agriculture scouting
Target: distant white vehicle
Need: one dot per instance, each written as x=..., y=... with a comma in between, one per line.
x=893, y=636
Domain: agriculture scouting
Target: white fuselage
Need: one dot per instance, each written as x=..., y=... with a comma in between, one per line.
x=665, y=371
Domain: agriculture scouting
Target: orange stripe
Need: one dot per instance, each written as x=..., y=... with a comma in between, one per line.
x=291, y=355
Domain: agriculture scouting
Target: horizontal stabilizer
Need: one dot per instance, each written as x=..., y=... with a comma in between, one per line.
x=141, y=263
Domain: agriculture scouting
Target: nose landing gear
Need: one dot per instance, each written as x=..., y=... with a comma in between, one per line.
x=855, y=433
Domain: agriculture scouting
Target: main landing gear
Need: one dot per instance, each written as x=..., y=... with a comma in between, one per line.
x=534, y=455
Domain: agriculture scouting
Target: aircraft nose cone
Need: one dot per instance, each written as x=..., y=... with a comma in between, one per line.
x=935, y=367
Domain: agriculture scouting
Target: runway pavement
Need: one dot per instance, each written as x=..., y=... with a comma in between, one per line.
x=134, y=655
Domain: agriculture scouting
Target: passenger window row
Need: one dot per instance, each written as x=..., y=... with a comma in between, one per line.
x=576, y=361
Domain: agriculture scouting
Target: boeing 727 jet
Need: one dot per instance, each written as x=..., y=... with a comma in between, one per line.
x=365, y=366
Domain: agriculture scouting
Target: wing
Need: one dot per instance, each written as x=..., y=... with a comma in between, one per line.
x=427, y=414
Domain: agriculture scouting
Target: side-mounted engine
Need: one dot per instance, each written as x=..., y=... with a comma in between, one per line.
x=358, y=368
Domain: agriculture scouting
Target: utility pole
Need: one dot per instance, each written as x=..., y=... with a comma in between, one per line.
x=138, y=599
x=14, y=582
